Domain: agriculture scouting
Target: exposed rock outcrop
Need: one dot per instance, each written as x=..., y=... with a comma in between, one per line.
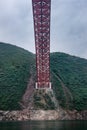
x=42, y=115
x=44, y=107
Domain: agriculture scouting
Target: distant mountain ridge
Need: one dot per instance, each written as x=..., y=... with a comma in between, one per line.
x=68, y=76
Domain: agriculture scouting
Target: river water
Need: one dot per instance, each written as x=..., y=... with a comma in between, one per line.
x=44, y=125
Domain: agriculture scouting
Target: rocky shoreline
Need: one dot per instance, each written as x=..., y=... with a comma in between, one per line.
x=25, y=115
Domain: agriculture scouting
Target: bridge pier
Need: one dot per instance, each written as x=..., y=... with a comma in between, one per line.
x=41, y=18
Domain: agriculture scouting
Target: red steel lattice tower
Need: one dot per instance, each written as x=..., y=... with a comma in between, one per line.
x=41, y=16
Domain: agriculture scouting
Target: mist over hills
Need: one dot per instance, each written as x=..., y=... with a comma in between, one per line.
x=68, y=76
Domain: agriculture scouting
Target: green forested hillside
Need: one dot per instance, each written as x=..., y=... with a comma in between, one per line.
x=15, y=64
x=68, y=75
x=71, y=90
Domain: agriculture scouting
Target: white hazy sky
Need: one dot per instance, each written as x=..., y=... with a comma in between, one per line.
x=68, y=25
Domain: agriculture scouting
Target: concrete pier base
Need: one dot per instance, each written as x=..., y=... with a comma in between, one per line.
x=47, y=85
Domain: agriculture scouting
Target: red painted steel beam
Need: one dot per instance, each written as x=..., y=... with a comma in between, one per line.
x=41, y=17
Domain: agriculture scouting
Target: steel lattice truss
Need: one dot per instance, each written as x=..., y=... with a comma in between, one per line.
x=41, y=15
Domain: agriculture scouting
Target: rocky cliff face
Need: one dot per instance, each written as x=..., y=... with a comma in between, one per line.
x=59, y=114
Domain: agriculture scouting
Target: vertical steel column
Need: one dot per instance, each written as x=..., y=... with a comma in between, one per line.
x=41, y=16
